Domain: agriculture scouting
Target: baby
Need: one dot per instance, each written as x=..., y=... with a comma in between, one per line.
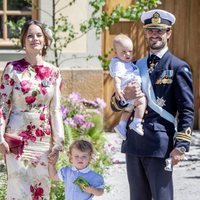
x=123, y=72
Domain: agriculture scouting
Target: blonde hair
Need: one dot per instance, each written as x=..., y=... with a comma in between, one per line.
x=119, y=40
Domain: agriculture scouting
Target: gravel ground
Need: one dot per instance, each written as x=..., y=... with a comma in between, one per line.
x=186, y=174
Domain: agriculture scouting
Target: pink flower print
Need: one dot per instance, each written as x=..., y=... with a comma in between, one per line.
x=12, y=81
x=30, y=99
x=39, y=133
x=48, y=131
x=42, y=72
x=6, y=77
x=2, y=86
x=42, y=116
x=8, y=102
x=1, y=113
x=57, y=75
x=20, y=65
x=36, y=160
x=28, y=134
x=25, y=86
x=37, y=192
x=43, y=90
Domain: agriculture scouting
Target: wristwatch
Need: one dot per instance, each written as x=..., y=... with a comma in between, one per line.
x=181, y=149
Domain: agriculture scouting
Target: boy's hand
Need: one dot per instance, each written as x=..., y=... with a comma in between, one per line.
x=87, y=189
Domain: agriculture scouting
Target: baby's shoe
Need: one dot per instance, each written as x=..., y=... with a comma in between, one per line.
x=136, y=127
x=121, y=130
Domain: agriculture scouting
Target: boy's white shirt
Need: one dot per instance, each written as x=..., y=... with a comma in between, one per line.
x=126, y=71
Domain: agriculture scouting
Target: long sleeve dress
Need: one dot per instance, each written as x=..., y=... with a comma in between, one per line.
x=30, y=108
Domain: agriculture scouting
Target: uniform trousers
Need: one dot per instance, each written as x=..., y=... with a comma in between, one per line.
x=147, y=178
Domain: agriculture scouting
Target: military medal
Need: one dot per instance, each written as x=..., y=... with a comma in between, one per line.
x=166, y=81
x=45, y=83
x=160, y=101
x=158, y=81
x=151, y=68
x=169, y=81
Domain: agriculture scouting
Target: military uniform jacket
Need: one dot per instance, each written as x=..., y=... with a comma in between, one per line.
x=172, y=84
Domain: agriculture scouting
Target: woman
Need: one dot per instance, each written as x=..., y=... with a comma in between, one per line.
x=30, y=108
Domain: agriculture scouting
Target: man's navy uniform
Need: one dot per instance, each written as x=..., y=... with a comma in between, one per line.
x=171, y=80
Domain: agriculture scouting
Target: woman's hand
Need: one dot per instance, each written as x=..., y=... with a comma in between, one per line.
x=4, y=148
x=132, y=90
x=53, y=156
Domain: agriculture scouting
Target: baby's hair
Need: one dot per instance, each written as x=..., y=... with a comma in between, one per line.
x=119, y=39
x=81, y=145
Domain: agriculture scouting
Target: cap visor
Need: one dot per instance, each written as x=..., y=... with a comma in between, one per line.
x=156, y=27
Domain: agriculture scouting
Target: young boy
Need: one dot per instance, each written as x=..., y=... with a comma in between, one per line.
x=123, y=72
x=80, y=182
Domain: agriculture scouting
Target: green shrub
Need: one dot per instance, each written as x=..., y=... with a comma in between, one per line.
x=3, y=178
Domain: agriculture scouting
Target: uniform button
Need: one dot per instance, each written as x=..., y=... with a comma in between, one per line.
x=146, y=111
x=142, y=120
x=131, y=118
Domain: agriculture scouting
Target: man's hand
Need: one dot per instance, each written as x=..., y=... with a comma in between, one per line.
x=132, y=91
x=176, y=156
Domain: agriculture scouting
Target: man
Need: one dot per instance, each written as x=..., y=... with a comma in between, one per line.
x=167, y=83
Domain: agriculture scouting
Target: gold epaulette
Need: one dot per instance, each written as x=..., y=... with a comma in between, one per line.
x=185, y=136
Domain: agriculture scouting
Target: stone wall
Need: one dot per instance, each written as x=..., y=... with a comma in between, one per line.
x=87, y=82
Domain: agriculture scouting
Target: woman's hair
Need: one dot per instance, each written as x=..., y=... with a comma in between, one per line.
x=81, y=145
x=47, y=36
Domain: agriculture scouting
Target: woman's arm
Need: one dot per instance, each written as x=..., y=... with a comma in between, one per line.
x=56, y=115
x=6, y=89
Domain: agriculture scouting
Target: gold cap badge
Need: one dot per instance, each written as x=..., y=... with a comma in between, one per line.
x=156, y=18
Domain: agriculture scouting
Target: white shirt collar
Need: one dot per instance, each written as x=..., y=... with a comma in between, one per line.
x=84, y=171
x=161, y=52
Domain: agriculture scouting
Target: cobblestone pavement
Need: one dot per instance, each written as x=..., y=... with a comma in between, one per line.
x=186, y=174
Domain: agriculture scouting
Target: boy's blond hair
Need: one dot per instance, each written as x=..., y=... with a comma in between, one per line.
x=119, y=40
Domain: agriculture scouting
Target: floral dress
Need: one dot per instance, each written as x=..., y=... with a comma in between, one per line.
x=30, y=108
